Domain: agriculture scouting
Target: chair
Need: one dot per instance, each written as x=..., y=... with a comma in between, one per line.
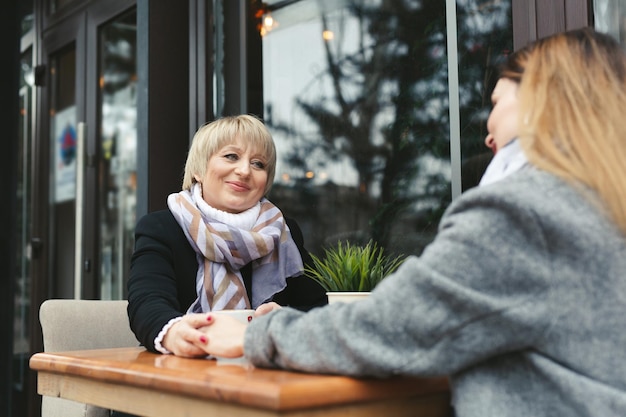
x=79, y=325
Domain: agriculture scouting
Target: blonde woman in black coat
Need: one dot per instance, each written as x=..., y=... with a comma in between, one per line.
x=220, y=245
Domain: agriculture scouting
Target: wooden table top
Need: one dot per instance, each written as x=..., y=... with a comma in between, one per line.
x=267, y=389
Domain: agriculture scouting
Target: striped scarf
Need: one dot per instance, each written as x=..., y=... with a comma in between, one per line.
x=226, y=242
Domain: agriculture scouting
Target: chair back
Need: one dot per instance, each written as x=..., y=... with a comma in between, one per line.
x=80, y=325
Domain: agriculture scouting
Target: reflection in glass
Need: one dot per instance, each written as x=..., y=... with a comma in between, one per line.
x=61, y=209
x=356, y=96
x=56, y=5
x=118, y=142
x=485, y=35
x=25, y=10
x=610, y=17
x=21, y=333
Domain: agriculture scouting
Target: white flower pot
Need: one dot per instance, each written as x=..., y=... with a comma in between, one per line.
x=345, y=297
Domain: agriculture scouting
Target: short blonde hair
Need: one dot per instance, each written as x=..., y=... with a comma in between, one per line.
x=213, y=136
x=572, y=94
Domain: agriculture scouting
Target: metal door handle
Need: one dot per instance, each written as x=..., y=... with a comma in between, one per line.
x=81, y=129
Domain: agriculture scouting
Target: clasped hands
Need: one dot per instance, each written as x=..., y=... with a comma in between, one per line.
x=204, y=334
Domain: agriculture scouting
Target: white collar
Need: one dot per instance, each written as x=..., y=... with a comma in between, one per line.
x=506, y=161
x=244, y=220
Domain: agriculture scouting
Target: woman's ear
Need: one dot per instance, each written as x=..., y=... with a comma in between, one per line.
x=197, y=178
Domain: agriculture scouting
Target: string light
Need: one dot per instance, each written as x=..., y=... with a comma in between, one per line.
x=266, y=20
x=267, y=24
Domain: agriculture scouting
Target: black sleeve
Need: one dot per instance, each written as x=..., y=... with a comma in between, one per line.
x=301, y=292
x=162, y=276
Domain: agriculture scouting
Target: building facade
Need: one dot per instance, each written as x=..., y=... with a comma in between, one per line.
x=378, y=109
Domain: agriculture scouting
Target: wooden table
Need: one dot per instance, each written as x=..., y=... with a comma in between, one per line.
x=139, y=382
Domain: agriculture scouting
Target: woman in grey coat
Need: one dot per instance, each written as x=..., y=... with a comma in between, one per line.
x=521, y=298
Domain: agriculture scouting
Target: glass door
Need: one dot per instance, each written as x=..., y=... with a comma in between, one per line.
x=91, y=131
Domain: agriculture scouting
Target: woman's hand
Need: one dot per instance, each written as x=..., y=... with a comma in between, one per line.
x=266, y=308
x=224, y=336
x=213, y=334
x=185, y=337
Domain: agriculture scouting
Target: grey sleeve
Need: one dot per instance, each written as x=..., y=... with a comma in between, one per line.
x=481, y=288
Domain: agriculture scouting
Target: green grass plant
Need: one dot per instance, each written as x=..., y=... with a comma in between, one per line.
x=347, y=267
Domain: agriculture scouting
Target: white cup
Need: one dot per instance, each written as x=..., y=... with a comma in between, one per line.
x=244, y=316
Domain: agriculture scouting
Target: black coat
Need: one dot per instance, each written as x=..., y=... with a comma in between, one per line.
x=163, y=273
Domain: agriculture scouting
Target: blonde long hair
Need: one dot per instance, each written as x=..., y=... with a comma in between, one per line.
x=572, y=101
x=213, y=136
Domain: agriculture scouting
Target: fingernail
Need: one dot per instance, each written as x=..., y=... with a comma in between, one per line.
x=209, y=318
x=203, y=339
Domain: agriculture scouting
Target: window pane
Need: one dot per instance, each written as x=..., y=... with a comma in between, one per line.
x=118, y=139
x=23, y=281
x=610, y=17
x=63, y=136
x=485, y=35
x=356, y=96
x=25, y=10
x=56, y=5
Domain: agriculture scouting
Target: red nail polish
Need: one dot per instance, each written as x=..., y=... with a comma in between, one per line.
x=203, y=339
x=209, y=318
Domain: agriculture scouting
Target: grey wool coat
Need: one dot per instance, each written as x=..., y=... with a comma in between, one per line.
x=520, y=300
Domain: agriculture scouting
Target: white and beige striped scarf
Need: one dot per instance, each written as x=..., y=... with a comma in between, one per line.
x=226, y=242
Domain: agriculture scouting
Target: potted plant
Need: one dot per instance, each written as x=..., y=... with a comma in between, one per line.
x=348, y=271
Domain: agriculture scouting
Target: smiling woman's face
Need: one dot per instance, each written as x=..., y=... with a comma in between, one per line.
x=502, y=122
x=235, y=178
